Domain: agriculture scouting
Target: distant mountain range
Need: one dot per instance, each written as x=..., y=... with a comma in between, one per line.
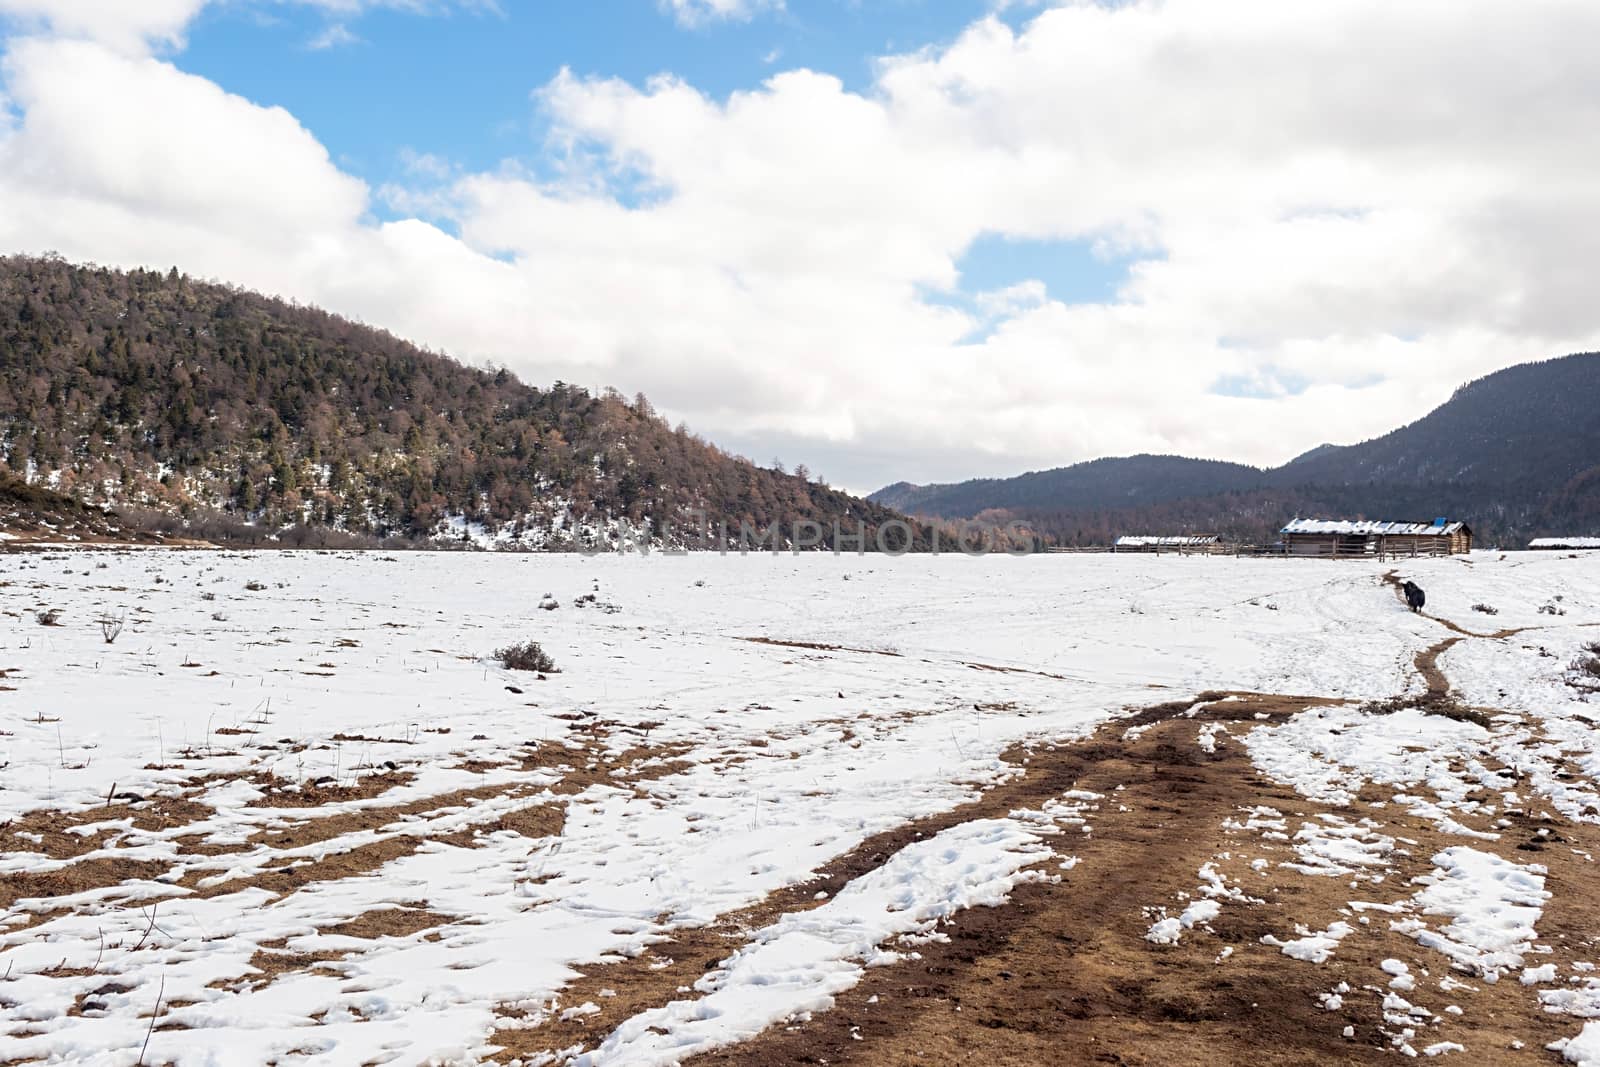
x=206, y=410
x=1516, y=454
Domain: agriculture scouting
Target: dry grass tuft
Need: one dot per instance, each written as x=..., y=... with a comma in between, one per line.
x=526, y=656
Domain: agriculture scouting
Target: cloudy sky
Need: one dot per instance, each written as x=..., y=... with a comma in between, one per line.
x=921, y=239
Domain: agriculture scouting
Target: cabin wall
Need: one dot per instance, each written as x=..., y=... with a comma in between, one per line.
x=1327, y=546
x=1419, y=544
x=1356, y=546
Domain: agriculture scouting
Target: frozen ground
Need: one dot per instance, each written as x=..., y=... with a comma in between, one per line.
x=295, y=812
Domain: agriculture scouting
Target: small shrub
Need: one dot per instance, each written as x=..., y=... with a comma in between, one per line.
x=111, y=626
x=1584, y=671
x=254, y=587
x=1485, y=609
x=48, y=616
x=527, y=656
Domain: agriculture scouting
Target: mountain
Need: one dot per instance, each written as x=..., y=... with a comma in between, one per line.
x=235, y=412
x=1516, y=453
x=1535, y=422
x=1097, y=484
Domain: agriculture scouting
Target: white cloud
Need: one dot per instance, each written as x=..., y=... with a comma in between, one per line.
x=1013, y=299
x=700, y=12
x=135, y=137
x=1330, y=194
x=129, y=25
x=134, y=26
x=334, y=35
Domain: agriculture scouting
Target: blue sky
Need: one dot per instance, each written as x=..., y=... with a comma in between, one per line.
x=1193, y=188
x=458, y=85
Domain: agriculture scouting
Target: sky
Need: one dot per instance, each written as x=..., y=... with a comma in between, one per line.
x=918, y=240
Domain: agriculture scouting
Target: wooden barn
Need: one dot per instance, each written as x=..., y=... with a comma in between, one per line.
x=1550, y=544
x=1202, y=543
x=1357, y=538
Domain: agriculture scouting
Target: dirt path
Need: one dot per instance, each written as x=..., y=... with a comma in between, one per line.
x=1064, y=973
x=1427, y=664
x=623, y=989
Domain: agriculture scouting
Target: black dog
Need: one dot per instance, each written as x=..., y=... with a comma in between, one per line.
x=1414, y=595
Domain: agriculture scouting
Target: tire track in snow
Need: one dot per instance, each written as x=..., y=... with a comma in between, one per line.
x=618, y=991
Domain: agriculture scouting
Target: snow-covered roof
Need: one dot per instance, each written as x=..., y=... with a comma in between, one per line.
x=1142, y=541
x=1377, y=528
x=1565, y=542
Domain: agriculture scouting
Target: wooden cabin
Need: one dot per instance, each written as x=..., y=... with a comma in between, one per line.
x=1358, y=538
x=1202, y=543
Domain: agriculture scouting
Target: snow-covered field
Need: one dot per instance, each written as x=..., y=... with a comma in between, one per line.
x=297, y=812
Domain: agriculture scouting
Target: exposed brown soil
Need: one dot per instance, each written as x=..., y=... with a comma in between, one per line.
x=314, y=793
x=388, y=922
x=1012, y=670
x=579, y=767
x=1395, y=582
x=76, y=877
x=275, y=963
x=537, y=820
x=272, y=960
x=317, y=829
x=654, y=978
x=1063, y=973
x=818, y=646
x=296, y=874
x=533, y=820
x=55, y=827
x=1427, y=664
x=1437, y=698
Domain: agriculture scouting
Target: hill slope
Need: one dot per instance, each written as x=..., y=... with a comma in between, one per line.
x=1537, y=422
x=196, y=399
x=1517, y=453
x=1099, y=483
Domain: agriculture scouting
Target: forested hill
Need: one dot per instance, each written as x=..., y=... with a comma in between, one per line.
x=1535, y=423
x=151, y=389
x=1102, y=483
x=1516, y=453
